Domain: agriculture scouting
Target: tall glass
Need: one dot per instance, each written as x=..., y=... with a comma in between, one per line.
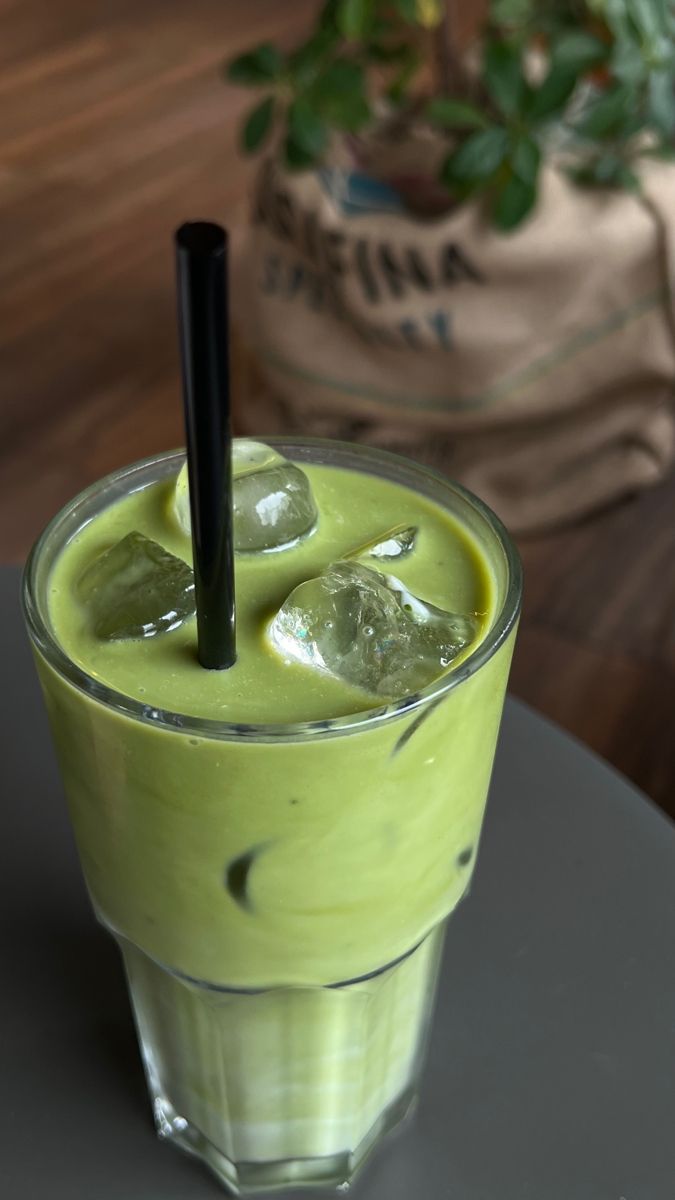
x=290, y=1077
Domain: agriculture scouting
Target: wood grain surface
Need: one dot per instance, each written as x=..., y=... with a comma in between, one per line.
x=115, y=126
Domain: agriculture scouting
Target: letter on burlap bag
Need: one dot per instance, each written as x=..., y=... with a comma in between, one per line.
x=536, y=368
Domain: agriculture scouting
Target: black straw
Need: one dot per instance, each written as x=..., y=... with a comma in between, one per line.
x=201, y=268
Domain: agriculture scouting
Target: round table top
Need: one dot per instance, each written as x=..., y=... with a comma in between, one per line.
x=551, y=1067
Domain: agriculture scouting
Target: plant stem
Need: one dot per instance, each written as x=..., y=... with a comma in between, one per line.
x=448, y=69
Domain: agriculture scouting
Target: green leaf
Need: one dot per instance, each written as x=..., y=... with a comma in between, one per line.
x=388, y=52
x=354, y=17
x=258, y=125
x=649, y=17
x=262, y=65
x=295, y=156
x=512, y=13
x=627, y=179
x=627, y=62
x=503, y=76
x=615, y=14
x=403, y=77
x=476, y=160
x=661, y=100
x=551, y=97
x=571, y=54
x=608, y=170
x=430, y=13
x=578, y=50
x=606, y=115
x=307, y=62
x=339, y=95
x=349, y=113
x=328, y=18
x=525, y=159
x=407, y=9
x=455, y=114
x=513, y=202
x=340, y=75
x=384, y=26
x=306, y=130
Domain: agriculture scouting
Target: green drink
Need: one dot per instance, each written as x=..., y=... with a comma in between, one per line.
x=276, y=847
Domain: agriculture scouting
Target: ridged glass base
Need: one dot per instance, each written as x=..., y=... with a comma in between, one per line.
x=335, y=1172
x=286, y=1087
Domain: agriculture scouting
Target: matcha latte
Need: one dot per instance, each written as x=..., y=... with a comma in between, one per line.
x=276, y=846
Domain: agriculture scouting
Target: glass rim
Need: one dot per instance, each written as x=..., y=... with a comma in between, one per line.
x=46, y=642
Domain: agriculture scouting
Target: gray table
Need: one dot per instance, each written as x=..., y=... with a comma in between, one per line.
x=552, y=1065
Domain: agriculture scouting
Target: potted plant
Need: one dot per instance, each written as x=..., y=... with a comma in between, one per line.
x=466, y=254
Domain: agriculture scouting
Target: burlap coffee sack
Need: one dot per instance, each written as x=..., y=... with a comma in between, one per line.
x=536, y=368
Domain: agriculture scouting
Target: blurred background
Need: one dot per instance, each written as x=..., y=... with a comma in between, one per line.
x=119, y=121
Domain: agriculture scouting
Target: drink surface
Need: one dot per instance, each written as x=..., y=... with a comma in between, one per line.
x=445, y=568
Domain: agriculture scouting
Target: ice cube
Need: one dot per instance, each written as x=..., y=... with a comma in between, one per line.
x=249, y=456
x=273, y=508
x=366, y=628
x=272, y=498
x=395, y=543
x=136, y=590
x=181, y=499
